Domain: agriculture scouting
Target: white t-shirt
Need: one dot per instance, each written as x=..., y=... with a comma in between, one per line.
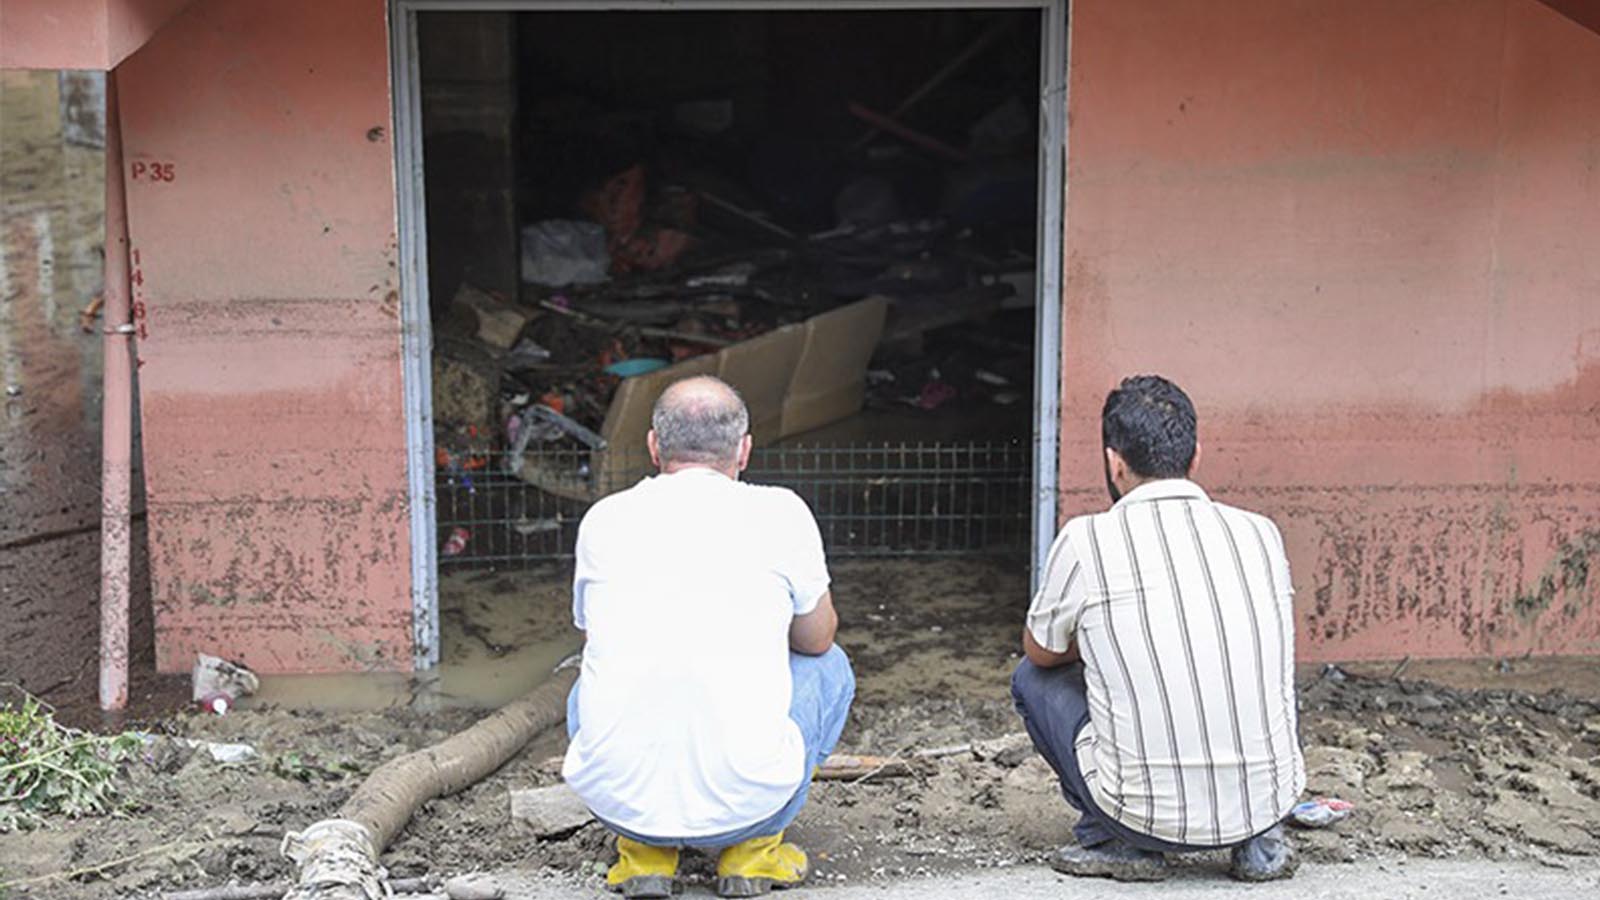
x=686, y=585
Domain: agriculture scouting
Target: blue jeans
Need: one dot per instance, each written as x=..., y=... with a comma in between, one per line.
x=1054, y=706
x=820, y=702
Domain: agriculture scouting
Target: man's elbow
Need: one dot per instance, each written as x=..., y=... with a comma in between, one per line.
x=1044, y=658
x=1041, y=657
x=813, y=637
x=811, y=645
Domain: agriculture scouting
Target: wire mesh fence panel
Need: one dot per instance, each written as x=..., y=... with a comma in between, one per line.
x=496, y=509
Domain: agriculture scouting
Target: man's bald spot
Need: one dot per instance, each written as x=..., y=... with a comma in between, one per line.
x=699, y=394
x=699, y=420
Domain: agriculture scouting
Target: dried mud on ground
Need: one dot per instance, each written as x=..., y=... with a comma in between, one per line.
x=1507, y=765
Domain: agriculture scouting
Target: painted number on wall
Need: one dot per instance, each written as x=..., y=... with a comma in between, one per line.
x=136, y=281
x=141, y=170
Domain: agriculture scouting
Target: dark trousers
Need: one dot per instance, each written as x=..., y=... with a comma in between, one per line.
x=1054, y=707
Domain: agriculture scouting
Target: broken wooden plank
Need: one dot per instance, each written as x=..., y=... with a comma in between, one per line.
x=956, y=63
x=915, y=138
x=500, y=322
x=844, y=767
x=659, y=311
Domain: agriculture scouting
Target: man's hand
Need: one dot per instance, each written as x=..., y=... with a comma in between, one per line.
x=1047, y=659
x=812, y=633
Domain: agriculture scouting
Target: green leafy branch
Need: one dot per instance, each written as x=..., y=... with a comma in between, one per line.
x=48, y=769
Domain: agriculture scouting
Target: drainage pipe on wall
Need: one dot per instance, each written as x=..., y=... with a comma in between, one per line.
x=116, y=461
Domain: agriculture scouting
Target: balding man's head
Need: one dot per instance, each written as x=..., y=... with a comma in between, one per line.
x=700, y=421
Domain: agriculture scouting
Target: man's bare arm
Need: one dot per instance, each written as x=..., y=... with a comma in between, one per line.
x=1047, y=659
x=812, y=633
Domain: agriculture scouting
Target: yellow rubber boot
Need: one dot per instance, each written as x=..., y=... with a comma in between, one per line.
x=643, y=871
x=760, y=865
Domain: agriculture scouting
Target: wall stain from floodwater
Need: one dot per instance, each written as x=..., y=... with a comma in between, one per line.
x=1565, y=578
x=199, y=593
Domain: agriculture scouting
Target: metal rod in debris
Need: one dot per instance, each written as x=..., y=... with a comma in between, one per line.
x=983, y=42
x=686, y=337
x=748, y=216
x=541, y=413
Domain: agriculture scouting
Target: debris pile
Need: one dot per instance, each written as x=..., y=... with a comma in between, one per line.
x=661, y=232
x=1437, y=771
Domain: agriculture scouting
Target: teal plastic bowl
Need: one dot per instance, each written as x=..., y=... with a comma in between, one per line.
x=642, y=365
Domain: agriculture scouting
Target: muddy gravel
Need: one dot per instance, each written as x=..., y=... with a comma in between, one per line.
x=1504, y=764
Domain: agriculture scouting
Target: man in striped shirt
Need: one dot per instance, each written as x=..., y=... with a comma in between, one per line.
x=1159, y=678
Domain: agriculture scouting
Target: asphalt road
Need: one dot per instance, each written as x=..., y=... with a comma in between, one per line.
x=1394, y=880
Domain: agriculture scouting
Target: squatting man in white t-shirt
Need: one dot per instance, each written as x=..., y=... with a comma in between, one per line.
x=1159, y=679
x=711, y=687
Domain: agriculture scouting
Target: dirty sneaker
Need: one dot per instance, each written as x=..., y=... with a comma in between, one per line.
x=1113, y=859
x=1265, y=857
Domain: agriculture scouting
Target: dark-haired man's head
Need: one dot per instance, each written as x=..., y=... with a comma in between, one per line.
x=1148, y=429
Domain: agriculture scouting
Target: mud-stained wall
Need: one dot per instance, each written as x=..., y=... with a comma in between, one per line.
x=261, y=207
x=1363, y=236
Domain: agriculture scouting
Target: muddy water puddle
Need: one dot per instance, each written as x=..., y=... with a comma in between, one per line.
x=914, y=628
x=502, y=633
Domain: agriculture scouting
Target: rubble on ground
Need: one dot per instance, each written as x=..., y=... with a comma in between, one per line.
x=1432, y=771
x=549, y=811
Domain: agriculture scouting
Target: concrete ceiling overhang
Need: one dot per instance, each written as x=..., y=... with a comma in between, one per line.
x=78, y=34
x=99, y=34
x=1584, y=12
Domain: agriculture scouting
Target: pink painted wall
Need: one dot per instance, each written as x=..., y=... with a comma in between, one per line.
x=1363, y=236
x=78, y=34
x=65, y=34
x=261, y=207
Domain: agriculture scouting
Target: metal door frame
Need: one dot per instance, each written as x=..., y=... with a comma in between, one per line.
x=412, y=231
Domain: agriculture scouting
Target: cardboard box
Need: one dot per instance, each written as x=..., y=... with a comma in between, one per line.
x=829, y=380
x=793, y=379
x=762, y=371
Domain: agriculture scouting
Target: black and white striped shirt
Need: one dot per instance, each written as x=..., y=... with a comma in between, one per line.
x=1182, y=610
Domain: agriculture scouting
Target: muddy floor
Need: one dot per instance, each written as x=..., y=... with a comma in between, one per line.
x=1504, y=764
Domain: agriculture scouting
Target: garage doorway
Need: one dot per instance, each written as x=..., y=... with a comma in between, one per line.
x=790, y=145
